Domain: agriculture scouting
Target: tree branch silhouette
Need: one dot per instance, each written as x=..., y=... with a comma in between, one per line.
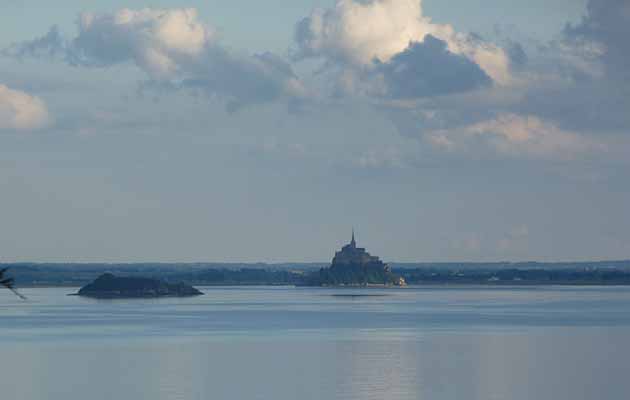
x=9, y=283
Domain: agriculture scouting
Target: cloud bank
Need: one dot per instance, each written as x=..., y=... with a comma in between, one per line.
x=584, y=76
x=463, y=94
x=21, y=111
x=455, y=91
x=174, y=49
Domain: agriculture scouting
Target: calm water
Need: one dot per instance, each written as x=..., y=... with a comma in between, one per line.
x=297, y=343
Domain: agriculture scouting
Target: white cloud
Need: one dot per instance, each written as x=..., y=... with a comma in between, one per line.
x=158, y=41
x=516, y=135
x=452, y=90
x=561, y=100
x=433, y=83
x=357, y=32
x=360, y=32
x=21, y=111
x=175, y=49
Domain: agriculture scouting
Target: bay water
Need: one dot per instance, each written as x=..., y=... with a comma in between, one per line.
x=286, y=343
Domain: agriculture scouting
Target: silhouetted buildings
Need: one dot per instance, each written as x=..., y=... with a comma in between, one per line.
x=354, y=266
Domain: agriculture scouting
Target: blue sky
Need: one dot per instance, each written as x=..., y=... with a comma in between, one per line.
x=261, y=131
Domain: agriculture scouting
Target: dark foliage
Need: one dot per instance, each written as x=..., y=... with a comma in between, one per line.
x=9, y=283
x=110, y=286
x=517, y=276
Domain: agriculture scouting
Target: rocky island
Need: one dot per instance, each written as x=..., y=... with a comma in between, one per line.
x=108, y=286
x=354, y=266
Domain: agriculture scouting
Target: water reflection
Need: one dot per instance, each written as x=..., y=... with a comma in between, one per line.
x=369, y=368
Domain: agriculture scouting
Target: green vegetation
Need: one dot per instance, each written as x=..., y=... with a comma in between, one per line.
x=350, y=275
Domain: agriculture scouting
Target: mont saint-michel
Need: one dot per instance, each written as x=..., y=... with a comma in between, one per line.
x=354, y=266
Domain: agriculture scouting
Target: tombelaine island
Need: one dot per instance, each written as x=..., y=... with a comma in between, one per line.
x=354, y=266
x=108, y=286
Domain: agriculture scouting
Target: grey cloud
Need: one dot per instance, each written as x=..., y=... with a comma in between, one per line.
x=572, y=97
x=607, y=22
x=514, y=42
x=428, y=69
x=598, y=106
x=242, y=80
x=175, y=50
x=593, y=57
x=302, y=35
x=51, y=44
x=98, y=48
x=517, y=54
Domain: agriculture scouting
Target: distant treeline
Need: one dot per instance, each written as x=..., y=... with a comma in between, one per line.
x=517, y=276
x=243, y=276
x=76, y=274
x=526, y=265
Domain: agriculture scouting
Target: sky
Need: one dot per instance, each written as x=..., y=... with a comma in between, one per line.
x=240, y=131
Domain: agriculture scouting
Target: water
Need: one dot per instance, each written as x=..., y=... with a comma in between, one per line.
x=305, y=343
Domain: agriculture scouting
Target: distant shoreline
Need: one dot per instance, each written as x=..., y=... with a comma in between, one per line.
x=412, y=286
x=608, y=273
